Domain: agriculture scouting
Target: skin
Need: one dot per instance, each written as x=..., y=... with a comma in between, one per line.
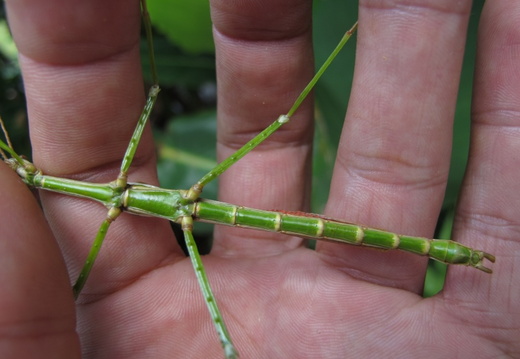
x=80, y=62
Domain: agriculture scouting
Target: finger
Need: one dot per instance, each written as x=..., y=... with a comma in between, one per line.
x=38, y=318
x=264, y=60
x=488, y=216
x=393, y=160
x=81, y=68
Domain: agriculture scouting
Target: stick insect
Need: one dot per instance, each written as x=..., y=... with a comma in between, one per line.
x=187, y=206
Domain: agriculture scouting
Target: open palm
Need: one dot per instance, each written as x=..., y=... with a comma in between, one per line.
x=80, y=62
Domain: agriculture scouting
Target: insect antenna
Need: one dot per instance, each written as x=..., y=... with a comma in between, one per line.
x=7, y=139
x=8, y=147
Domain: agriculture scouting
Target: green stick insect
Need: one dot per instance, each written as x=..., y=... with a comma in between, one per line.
x=187, y=206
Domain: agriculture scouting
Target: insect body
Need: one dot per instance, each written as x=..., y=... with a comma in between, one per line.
x=174, y=205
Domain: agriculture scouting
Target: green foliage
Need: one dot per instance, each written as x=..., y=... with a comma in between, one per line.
x=177, y=68
x=183, y=161
x=186, y=23
x=7, y=46
x=12, y=99
x=331, y=20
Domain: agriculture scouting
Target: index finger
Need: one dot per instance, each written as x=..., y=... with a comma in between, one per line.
x=82, y=76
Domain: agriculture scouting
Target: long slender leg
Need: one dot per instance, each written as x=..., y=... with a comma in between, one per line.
x=7, y=139
x=196, y=189
x=216, y=316
x=8, y=147
x=120, y=184
x=136, y=137
x=112, y=214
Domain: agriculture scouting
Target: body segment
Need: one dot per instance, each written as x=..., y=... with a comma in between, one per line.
x=316, y=227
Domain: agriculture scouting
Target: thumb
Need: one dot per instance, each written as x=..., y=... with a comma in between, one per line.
x=37, y=316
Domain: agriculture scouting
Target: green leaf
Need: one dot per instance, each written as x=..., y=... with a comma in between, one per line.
x=177, y=67
x=330, y=22
x=187, y=23
x=187, y=151
x=7, y=46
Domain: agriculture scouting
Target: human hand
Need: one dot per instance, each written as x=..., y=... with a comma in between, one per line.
x=278, y=299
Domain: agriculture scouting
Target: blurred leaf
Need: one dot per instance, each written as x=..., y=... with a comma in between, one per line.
x=461, y=128
x=332, y=18
x=187, y=151
x=436, y=273
x=186, y=23
x=176, y=67
x=7, y=46
x=12, y=98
